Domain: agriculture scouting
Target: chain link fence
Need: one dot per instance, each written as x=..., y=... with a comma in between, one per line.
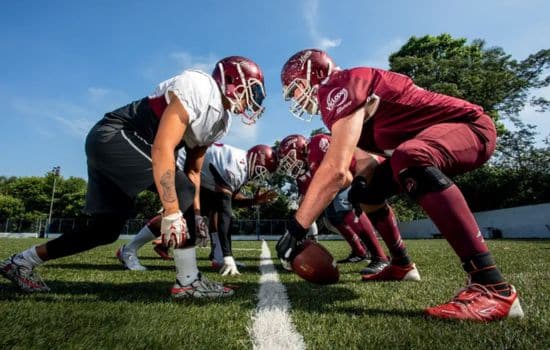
x=67, y=225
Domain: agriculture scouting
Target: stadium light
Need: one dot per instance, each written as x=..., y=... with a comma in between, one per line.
x=55, y=171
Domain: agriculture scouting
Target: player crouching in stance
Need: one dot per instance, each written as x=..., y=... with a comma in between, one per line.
x=300, y=159
x=132, y=148
x=428, y=136
x=225, y=170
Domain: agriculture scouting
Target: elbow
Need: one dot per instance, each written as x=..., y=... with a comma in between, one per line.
x=156, y=156
x=340, y=177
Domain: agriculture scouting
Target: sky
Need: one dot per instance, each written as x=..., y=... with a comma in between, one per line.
x=63, y=64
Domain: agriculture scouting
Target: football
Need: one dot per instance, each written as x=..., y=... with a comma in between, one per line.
x=315, y=264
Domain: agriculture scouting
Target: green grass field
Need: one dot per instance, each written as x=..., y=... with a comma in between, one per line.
x=94, y=304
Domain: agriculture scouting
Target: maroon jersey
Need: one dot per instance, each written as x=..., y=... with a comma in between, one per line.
x=317, y=148
x=404, y=109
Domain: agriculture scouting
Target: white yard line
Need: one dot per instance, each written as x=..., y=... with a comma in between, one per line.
x=272, y=327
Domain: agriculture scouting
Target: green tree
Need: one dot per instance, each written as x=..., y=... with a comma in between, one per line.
x=33, y=191
x=517, y=175
x=10, y=207
x=321, y=130
x=147, y=205
x=70, y=197
x=486, y=76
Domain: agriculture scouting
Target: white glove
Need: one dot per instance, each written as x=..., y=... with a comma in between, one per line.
x=229, y=267
x=173, y=230
x=201, y=229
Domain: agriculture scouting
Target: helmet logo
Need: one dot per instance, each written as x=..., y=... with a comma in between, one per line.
x=303, y=59
x=323, y=145
x=336, y=97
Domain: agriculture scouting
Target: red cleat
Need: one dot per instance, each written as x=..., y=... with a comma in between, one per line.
x=477, y=303
x=161, y=250
x=394, y=273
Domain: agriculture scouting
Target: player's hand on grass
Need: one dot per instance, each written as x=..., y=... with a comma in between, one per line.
x=229, y=267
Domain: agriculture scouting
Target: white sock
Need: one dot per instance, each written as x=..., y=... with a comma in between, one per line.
x=143, y=236
x=28, y=258
x=186, y=265
x=218, y=255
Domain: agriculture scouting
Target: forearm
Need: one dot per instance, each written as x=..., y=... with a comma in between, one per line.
x=195, y=178
x=323, y=188
x=164, y=175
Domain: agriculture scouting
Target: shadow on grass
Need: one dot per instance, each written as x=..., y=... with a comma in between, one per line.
x=360, y=311
x=148, y=292
x=104, y=267
x=158, y=291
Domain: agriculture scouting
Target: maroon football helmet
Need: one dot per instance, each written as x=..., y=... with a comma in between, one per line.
x=241, y=81
x=305, y=70
x=261, y=162
x=292, y=154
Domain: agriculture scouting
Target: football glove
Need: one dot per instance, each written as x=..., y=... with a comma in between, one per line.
x=201, y=229
x=292, y=239
x=229, y=267
x=173, y=230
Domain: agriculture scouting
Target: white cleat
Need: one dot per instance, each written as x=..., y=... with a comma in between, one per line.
x=22, y=276
x=200, y=288
x=129, y=259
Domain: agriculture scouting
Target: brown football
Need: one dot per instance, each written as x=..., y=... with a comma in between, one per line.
x=315, y=264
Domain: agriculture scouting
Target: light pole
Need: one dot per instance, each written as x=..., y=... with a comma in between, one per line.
x=55, y=171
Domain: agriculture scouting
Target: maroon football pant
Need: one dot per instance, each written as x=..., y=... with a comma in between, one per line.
x=454, y=148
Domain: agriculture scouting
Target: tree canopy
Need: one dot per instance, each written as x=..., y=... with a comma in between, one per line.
x=486, y=76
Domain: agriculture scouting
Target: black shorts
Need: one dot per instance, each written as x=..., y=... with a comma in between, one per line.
x=119, y=167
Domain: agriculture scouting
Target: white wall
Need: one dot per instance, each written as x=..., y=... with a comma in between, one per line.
x=531, y=221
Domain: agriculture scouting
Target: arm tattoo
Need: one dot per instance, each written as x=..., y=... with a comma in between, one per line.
x=168, y=187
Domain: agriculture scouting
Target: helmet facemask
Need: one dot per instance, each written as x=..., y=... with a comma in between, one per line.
x=290, y=165
x=306, y=106
x=257, y=173
x=250, y=92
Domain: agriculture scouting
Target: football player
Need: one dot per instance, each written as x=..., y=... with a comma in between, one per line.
x=225, y=170
x=132, y=149
x=429, y=137
x=300, y=158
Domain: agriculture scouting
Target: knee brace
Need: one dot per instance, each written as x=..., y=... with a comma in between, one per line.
x=380, y=187
x=417, y=181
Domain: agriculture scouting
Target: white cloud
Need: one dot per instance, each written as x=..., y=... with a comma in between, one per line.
x=77, y=127
x=106, y=97
x=168, y=65
x=185, y=60
x=240, y=135
x=379, y=58
x=50, y=117
x=311, y=8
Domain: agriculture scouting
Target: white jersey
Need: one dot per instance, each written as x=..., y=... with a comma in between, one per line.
x=199, y=94
x=229, y=162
